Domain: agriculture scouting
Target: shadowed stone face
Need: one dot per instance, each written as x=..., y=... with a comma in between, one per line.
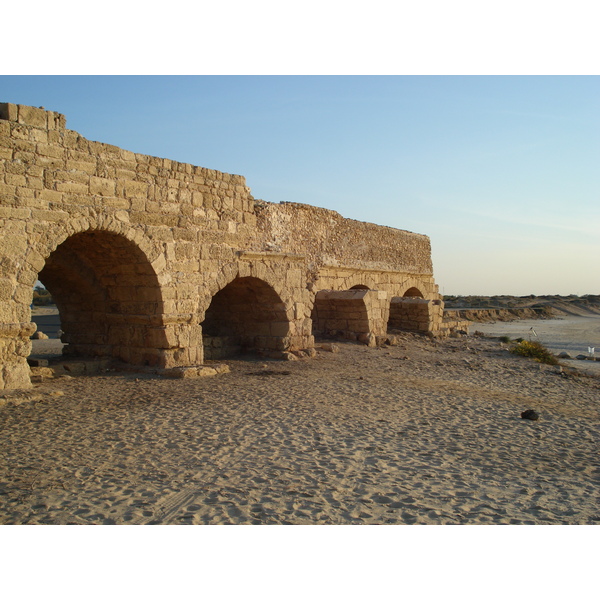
x=108, y=296
x=245, y=315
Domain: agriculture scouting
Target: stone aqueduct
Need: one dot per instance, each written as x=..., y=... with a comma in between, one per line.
x=161, y=263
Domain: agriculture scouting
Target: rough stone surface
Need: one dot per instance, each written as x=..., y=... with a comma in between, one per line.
x=164, y=264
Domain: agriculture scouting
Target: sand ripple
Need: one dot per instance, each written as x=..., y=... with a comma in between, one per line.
x=420, y=433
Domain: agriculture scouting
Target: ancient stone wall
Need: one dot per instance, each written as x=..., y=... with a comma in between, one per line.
x=415, y=314
x=140, y=253
x=350, y=313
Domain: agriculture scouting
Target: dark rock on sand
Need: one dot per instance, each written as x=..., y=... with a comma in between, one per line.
x=530, y=414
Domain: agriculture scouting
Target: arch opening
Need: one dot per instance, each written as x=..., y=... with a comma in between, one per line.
x=413, y=292
x=360, y=287
x=108, y=298
x=247, y=315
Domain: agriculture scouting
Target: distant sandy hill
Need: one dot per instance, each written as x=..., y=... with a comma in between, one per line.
x=510, y=308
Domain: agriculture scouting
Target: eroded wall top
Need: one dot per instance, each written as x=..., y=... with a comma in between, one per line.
x=327, y=238
x=56, y=174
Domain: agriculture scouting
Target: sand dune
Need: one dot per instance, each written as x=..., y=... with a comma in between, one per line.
x=423, y=432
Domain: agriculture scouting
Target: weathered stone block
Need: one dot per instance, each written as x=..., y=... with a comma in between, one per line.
x=102, y=187
x=28, y=115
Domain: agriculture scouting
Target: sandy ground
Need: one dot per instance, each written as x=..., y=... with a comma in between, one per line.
x=423, y=432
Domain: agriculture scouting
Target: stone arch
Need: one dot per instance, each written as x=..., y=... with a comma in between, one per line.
x=414, y=287
x=246, y=314
x=245, y=269
x=413, y=292
x=49, y=240
x=107, y=291
x=358, y=281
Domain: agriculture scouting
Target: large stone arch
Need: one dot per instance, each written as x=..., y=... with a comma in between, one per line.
x=107, y=279
x=246, y=269
x=245, y=314
x=44, y=241
x=109, y=297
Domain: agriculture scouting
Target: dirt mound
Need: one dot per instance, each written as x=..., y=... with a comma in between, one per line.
x=484, y=309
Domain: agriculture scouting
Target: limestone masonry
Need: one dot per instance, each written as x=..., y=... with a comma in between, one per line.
x=159, y=263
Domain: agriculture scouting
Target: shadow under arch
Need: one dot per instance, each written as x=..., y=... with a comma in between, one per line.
x=247, y=314
x=360, y=287
x=108, y=296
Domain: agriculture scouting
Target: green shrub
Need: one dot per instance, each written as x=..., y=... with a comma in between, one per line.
x=536, y=351
x=505, y=339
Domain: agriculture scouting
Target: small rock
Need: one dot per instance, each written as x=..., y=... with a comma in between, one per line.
x=39, y=335
x=530, y=414
x=369, y=339
x=42, y=372
x=330, y=348
x=581, y=357
x=205, y=372
x=564, y=355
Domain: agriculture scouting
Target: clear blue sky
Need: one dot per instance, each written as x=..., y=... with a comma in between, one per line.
x=501, y=172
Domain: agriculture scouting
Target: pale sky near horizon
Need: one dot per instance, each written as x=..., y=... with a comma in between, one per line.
x=501, y=172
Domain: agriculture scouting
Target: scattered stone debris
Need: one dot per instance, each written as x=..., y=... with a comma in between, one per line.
x=39, y=374
x=369, y=339
x=193, y=372
x=330, y=348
